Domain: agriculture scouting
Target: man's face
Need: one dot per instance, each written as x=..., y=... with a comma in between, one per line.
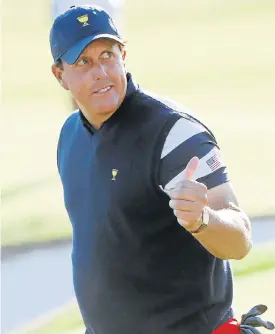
x=97, y=80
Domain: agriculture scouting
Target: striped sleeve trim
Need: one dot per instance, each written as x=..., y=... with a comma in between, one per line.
x=215, y=179
x=185, y=141
x=180, y=132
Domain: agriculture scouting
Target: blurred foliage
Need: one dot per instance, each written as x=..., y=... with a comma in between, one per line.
x=215, y=56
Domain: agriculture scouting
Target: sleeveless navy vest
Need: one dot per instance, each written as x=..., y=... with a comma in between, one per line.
x=135, y=269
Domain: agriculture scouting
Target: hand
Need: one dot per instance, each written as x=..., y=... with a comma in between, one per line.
x=189, y=198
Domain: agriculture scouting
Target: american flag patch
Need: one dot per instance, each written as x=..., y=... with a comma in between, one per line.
x=214, y=162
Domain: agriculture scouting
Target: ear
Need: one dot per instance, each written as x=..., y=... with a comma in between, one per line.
x=58, y=72
x=124, y=53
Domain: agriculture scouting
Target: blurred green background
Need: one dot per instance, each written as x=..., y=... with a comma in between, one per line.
x=217, y=57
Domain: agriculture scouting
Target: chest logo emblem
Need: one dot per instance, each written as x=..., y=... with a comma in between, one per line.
x=114, y=174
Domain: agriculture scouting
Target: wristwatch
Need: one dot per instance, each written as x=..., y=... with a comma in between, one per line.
x=204, y=221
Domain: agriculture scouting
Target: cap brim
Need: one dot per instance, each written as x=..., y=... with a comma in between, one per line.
x=71, y=55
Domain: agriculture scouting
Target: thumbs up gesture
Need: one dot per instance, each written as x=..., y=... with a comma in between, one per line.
x=189, y=198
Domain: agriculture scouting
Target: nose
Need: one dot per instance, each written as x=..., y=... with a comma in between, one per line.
x=98, y=72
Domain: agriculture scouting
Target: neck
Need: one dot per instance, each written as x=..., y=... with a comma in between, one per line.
x=96, y=119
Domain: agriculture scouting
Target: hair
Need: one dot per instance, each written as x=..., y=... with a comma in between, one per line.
x=59, y=63
x=122, y=47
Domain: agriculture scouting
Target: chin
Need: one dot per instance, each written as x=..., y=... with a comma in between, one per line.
x=108, y=109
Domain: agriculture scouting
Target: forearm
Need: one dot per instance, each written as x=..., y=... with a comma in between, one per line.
x=228, y=235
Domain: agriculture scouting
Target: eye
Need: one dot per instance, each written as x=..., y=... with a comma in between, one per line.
x=107, y=55
x=82, y=62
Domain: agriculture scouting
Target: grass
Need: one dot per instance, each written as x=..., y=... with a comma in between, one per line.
x=215, y=57
x=40, y=216
x=67, y=320
x=254, y=290
x=261, y=258
x=254, y=280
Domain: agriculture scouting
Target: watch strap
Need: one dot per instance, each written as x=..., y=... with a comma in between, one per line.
x=202, y=226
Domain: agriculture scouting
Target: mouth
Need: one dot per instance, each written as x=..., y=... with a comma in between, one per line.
x=103, y=90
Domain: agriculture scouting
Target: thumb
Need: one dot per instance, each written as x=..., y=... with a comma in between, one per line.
x=191, y=168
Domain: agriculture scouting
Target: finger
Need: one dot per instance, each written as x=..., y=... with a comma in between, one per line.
x=188, y=188
x=191, y=168
x=188, y=216
x=185, y=194
x=184, y=205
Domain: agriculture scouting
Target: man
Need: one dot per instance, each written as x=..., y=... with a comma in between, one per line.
x=154, y=216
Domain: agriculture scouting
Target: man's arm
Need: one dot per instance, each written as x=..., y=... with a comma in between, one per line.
x=201, y=184
x=228, y=235
x=229, y=222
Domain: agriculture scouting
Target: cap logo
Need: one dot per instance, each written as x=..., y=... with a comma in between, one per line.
x=83, y=19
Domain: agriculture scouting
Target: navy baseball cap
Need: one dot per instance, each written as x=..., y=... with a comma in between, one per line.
x=73, y=30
